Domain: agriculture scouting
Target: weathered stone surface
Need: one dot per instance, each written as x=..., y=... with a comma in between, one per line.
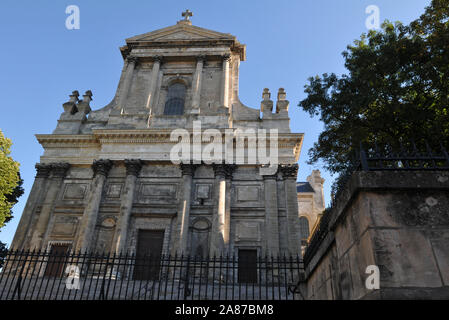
x=111, y=170
x=396, y=221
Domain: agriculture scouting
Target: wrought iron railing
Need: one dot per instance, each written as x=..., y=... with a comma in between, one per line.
x=41, y=275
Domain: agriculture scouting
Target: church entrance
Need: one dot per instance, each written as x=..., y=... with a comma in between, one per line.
x=55, y=264
x=148, y=254
x=247, y=266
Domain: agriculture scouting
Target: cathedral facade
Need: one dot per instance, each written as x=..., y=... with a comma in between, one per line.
x=107, y=181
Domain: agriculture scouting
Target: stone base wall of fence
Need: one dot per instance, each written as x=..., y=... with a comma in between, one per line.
x=397, y=221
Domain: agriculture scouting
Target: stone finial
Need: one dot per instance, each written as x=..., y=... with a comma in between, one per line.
x=266, y=95
x=84, y=105
x=281, y=94
x=266, y=105
x=74, y=96
x=87, y=96
x=282, y=104
x=70, y=106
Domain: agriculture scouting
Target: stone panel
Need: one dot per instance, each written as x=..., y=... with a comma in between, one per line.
x=400, y=256
x=247, y=231
x=158, y=191
x=114, y=190
x=64, y=226
x=74, y=191
x=248, y=193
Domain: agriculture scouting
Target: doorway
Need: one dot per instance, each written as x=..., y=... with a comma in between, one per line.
x=148, y=254
x=247, y=266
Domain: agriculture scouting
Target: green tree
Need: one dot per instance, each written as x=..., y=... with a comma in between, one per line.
x=10, y=186
x=396, y=89
x=9, y=179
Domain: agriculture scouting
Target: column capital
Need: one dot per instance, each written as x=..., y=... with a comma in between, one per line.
x=102, y=167
x=270, y=177
x=42, y=170
x=201, y=58
x=188, y=169
x=157, y=59
x=132, y=59
x=226, y=57
x=224, y=170
x=59, y=169
x=289, y=171
x=133, y=167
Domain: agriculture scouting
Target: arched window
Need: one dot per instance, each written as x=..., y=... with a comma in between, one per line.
x=175, y=99
x=304, y=228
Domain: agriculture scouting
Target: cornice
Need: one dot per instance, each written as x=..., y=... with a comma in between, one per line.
x=106, y=136
x=66, y=140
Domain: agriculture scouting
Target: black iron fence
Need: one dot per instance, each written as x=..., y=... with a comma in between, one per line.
x=408, y=156
x=42, y=275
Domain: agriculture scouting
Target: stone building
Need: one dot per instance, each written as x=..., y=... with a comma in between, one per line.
x=311, y=204
x=106, y=181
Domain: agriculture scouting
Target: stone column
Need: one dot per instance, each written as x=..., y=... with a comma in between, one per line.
x=101, y=169
x=183, y=218
x=230, y=168
x=133, y=168
x=59, y=171
x=34, y=199
x=225, y=81
x=219, y=235
x=196, y=85
x=271, y=215
x=132, y=61
x=289, y=173
x=153, y=81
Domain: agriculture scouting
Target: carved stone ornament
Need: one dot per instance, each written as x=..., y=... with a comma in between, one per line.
x=42, y=170
x=59, y=169
x=224, y=170
x=102, y=167
x=188, y=169
x=133, y=167
x=132, y=59
x=289, y=171
x=226, y=57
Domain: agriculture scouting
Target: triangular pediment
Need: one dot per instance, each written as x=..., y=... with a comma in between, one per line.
x=180, y=32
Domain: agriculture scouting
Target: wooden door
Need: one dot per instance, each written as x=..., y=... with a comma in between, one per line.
x=56, y=260
x=247, y=266
x=148, y=254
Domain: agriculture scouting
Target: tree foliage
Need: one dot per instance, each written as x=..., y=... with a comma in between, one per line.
x=10, y=182
x=396, y=89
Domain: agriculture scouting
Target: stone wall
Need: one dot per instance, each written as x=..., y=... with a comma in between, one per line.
x=396, y=220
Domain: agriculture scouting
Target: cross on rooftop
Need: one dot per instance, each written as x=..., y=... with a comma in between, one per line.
x=186, y=14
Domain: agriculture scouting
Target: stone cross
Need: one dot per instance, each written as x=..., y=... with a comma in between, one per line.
x=186, y=14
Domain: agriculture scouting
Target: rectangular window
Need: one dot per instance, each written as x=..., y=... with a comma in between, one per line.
x=247, y=266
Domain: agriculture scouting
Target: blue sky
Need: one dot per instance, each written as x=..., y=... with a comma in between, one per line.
x=287, y=42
